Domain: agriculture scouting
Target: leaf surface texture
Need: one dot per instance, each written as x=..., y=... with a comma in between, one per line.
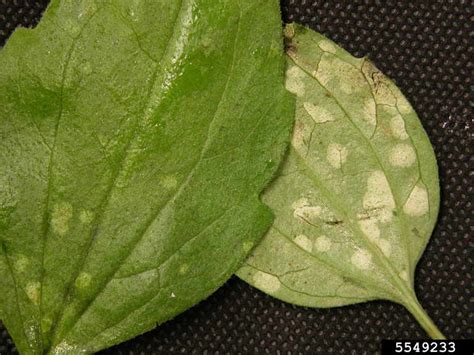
x=135, y=139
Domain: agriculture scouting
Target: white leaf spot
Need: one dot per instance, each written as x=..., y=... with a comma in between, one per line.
x=384, y=215
x=318, y=113
x=300, y=203
x=370, y=112
x=385, y=246
x=309, y=212
x=65, y=348
x=348, y=78
x=304, y=242
x=370, y=229
x=417, y=203
x=294, y=81
x=33, y=291
x=21, y=263
x=347, y=86
x=402, y=155
x=324, y=69
x=336, y=155
x=327, y=46
x=322, y=244
x=304, y=211
x=83, y=280
x=62, y=213
x=300, y=137
x=169, y=182
x=183, y=268
x=404, y=106
x=404, y=275
x=397, y=125
x=86, y=216
x=379, y=197
x=361, y=259
x=383, y=93
x=266, y=282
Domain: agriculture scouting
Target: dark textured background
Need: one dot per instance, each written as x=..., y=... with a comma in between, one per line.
x=427, y=48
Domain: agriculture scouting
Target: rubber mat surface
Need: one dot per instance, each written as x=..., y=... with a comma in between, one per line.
x=426, y=47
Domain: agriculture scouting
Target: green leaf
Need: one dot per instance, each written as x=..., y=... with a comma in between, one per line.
x=135, y=139
x=357, y=198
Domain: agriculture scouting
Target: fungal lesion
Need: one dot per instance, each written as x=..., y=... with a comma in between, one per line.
x=361, y=259
x=294, y=80
x=333, y=222
x=377, y=80
x=319, y=113
x=33, y=291
x=373, y=75
x=86, y=217
x=375, y=213
x=327, y=46
x=302, y=138
x=60, y=217
x=417, y=203
x=336, y=155
x=314, y=215
x=304, y=242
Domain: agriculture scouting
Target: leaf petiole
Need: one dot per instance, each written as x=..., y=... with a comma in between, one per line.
x=414, y=307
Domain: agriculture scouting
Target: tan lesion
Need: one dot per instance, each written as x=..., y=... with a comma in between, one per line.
x=60, y=217
x=336, y=155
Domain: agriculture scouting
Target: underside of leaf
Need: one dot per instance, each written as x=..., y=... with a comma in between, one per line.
x=357, y=198
x=135, y=139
